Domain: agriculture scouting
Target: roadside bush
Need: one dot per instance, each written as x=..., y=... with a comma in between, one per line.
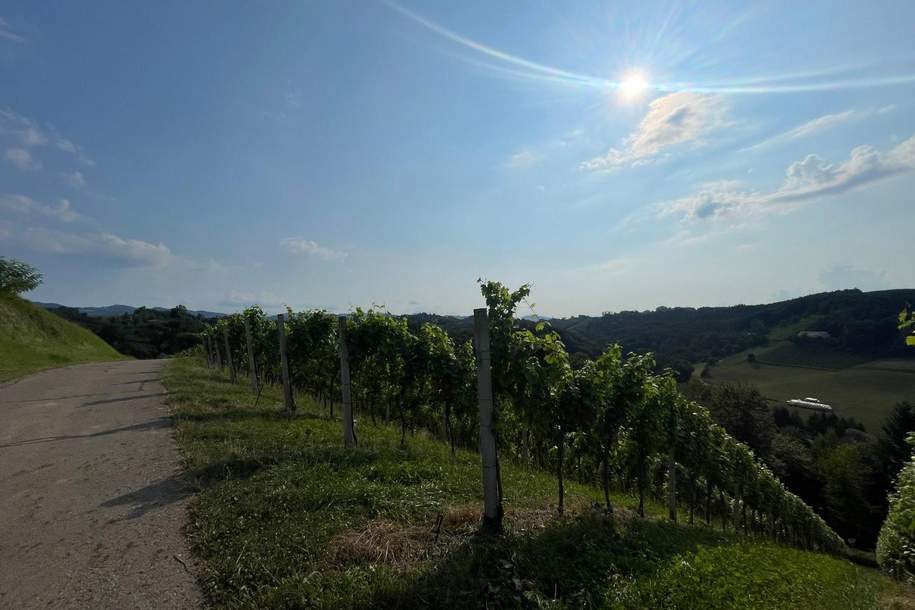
x=896, y=544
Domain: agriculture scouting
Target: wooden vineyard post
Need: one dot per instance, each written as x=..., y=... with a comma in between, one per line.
x=215, y=344
x=349, y=433
x=492, y=497
x=229, y=360
x=206, y=348
x=252, y=367
x=284, y=366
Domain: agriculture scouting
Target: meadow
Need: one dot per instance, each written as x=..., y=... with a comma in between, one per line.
x=285, y=517
x=855, y=386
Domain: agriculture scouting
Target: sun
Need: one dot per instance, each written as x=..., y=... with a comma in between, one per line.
x=633, y=85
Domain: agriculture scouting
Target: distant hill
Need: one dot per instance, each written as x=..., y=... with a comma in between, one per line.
x=142, y=332
x=32, y=339
x=861, y=323
x=118, y=310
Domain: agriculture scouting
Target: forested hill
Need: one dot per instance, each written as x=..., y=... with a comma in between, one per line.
x=859, y=322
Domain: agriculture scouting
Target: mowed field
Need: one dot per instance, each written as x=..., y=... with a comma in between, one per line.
x=856, y=387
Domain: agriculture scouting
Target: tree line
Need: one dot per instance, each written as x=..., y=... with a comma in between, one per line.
x=615, y=419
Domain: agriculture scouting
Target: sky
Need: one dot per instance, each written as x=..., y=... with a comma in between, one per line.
x=615, y=155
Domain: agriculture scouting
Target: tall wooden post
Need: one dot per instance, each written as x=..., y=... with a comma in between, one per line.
x=284, y=366
x=229, y=360
x=252, y=367
x=349, y=433
x=206, y=348
x=492, y=498
x=216, y=353
x=672, y=466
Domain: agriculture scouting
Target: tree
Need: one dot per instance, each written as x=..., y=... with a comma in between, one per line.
x=17, y=277
x=896, y=543
x=610, y=410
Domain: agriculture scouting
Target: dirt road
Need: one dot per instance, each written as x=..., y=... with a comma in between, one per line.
x=92, y=504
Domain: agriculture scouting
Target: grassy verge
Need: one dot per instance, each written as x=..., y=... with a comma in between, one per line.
x=286, y=518
x=32, y=339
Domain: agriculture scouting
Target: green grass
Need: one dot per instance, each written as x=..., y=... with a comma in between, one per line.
x=32, y=339
x=285, y=517
x=856, y=387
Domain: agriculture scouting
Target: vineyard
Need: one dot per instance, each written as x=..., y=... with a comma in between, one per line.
x=614, y=419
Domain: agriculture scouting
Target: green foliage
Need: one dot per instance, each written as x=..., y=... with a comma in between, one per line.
x=32, y=339
x=17, y=277
x=613, y=414
x=896, y=544
x=286, y=517
x=144, y=333
x=754, y=577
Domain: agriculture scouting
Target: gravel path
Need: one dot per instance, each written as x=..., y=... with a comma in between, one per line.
x=92, y=503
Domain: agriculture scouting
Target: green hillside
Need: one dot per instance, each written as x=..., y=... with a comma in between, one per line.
x=862, y=324
x=32, y=339
x=855, y=385
x=285, y=517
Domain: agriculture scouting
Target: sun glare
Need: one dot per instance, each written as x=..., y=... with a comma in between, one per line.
x=633, y=85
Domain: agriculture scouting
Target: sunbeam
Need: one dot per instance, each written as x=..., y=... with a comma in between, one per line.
x=631, y=87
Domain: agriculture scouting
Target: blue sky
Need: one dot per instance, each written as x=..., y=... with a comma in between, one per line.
x=617, y=155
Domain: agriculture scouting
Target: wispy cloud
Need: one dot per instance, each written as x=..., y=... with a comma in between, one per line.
x=25, y=206
x=75, y=179
x=7, y=33
x=21, y=159
x=523, y=159
x=678, y=120
x=31, y=134
x=819, y=124
x=106, y=247
x=302, y=246
x=808, y=179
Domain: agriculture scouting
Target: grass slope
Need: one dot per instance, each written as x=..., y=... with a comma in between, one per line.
x=855, y=386
x=32, y=339
x=286, y=518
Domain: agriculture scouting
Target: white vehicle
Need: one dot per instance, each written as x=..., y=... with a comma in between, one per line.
x=811, y=403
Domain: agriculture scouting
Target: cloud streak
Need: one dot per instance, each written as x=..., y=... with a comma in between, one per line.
x=817, y=125
x=7, y=33
x=307, y=247
x=25, y=206
x=31, y=134
x=20, y=158
x=810, y=178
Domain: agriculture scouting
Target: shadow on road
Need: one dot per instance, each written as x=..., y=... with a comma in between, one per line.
x=109, y=401
x=155, y=495
x=161, y=422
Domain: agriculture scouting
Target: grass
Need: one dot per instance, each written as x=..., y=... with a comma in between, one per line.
x=33, y=339
x=285, y=517
x=856, y=387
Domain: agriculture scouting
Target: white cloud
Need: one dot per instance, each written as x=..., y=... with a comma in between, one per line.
x=807, y=179
x=676, y=120
x=20, y=204
x=523, y=159
x=31, y=134
x=7, y=33
x=819, y=124
x=75, y=179
x=106, y=246
x=21, y=159
x=299, y=245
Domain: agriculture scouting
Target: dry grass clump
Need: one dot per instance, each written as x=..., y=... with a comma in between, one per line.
x=384, y=541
